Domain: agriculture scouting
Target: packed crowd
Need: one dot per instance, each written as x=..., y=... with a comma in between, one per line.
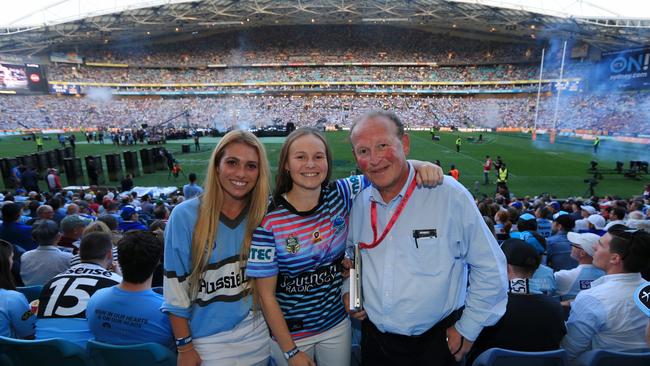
x=617, y=112
x=588, y=254
x=314, y=44
x=501, y=72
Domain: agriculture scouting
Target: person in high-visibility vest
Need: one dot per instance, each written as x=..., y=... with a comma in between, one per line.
x=502, y=174
x=596, y=144
x=454, y=172
x=39, y=143
x=458, y=143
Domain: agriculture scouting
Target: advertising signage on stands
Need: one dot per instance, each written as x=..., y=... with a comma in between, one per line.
x=629, y=69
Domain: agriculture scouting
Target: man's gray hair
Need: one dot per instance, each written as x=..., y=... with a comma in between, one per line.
x=389, y=115
x=44, y=232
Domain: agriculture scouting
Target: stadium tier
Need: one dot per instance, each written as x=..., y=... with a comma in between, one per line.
x=622, y=112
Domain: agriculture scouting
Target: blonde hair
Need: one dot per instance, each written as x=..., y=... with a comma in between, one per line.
x=211, y=202
x=96, y=226
x=101, y=227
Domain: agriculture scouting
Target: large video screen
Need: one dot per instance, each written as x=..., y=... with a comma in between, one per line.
x=13, y=77
x=23, y=78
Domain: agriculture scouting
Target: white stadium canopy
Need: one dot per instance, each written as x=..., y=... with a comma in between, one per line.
x=48, y=12
x=40, y=26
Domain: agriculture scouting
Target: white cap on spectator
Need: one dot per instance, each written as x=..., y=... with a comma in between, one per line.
x=585, y=241
x=589, y=209
x=581, y=225
x=598, y=221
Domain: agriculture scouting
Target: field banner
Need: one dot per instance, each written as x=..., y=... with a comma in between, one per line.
x=629, y=69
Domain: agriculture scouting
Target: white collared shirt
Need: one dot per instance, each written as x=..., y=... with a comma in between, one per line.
x=606, y=317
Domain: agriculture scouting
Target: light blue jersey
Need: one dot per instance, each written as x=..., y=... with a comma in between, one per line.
x=223, y=298
x=16, y=318
x=123, y=317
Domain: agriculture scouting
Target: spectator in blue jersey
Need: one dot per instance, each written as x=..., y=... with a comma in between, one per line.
x=527, y=231
x=416, y=246
x=139, y=254
x=571, y=281
x=543, y=215
x=297, y=252
x=14, y=232
x=130, y=220
x=559, y=255
x=192, y=189
x=542, y=280
x=207, y=241
x=16, y=318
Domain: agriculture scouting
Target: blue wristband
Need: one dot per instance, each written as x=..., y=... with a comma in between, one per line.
x=180, y=342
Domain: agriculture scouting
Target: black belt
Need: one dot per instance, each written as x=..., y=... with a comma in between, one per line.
x=442, y=325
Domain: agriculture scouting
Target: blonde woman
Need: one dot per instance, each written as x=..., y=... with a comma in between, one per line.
x=207, y=240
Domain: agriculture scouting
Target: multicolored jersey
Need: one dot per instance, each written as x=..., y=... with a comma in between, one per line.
x=305, y=250
x=63, y=301
x=223, y=298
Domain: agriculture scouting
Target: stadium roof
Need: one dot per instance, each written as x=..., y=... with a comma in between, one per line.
x=38, y=26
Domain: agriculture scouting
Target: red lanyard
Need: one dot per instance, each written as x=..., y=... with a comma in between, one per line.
x=393, y=219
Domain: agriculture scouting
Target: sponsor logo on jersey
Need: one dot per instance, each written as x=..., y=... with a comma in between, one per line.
x=292, y=245
x=260, y=254
x=223, y=281
x=80, y=270
x=316, y=236
x=585, y=284
x=306, y=282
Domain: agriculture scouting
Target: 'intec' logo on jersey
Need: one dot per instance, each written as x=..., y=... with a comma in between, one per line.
x=261, y=254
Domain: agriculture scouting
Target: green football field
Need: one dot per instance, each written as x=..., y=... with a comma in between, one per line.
x=535, y=167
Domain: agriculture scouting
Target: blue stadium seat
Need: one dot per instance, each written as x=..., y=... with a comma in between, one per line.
x=43, y=352
x=504, y=357
x=150, y=354
x=31, y=292
x=601, y=357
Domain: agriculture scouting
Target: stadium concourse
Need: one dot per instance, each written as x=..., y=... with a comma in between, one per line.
x=85, y=263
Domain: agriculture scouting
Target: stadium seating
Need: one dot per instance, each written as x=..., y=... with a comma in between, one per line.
x=52, y=352
x=30, y=292
x=504, y=357
x=150, y=354
x=601, y=357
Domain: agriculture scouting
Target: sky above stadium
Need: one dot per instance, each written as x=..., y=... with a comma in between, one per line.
x=39, y=12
